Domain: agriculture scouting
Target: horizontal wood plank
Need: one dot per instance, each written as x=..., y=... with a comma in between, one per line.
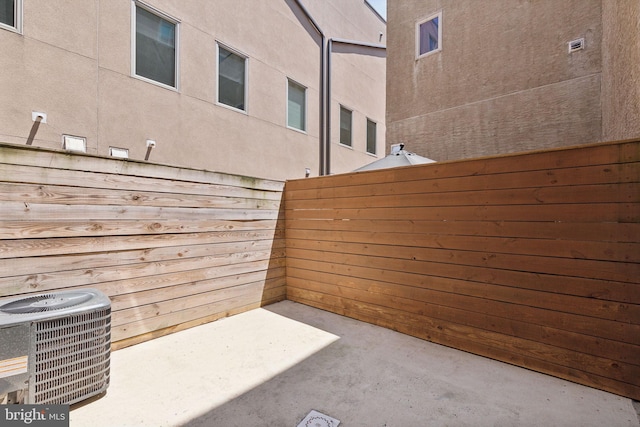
x=531, y=258
x=171, y=247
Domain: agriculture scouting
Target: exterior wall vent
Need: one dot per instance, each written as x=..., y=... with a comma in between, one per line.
x=121, y=153
x=575, y=45
x=74, y=143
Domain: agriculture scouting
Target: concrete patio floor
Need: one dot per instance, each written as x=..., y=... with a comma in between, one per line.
x=272, y=366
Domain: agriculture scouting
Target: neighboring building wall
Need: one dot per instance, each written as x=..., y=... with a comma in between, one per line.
x=621, y=69
x=505, y=81
x=80, y=75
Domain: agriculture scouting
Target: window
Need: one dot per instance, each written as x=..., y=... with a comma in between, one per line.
x=429, y=35
x=154, y=50
x=10, y=14
x=371, y=137
x=296, y=106
x=232, y=74
x=345, y=126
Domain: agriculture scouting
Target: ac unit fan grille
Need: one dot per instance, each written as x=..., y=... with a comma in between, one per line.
x=72, y=357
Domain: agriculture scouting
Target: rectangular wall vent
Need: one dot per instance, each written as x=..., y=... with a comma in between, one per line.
x=74, y=143
x=121, y=153
x=577, y=44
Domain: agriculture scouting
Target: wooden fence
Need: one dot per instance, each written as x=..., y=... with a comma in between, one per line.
x=171, y=247
x=531, y=259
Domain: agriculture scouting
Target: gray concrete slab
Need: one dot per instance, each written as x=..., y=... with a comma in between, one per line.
x=272, y=366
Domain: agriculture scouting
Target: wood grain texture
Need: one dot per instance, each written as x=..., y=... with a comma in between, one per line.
x=532, y=259
x=171, y=247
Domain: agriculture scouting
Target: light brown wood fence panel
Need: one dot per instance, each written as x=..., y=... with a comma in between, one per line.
x=532, y=259
x=171, y=247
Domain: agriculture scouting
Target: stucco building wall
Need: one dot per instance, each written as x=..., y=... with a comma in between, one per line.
x=621, y=69
x=81, y=76
x=505, y=80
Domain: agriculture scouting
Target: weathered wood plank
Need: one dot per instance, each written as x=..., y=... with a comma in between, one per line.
x=16, y=285
x=229, y=275
x=126, y=227
x=19, y=155
x=175, y=318
x=79, y=245
x=16, y=211
x=34, y=265
x=67, y=195
x=171, y=247
x=86, y=179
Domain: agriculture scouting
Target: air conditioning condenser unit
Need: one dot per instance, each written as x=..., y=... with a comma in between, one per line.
x=54, y=348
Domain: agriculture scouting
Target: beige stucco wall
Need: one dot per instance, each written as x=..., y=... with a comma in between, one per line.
x=350, y=20
x=621, y=69
x=81, y=77
x=347, y=60
x=504, y=80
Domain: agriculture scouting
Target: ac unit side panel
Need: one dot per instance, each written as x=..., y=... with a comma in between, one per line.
x=71, y=357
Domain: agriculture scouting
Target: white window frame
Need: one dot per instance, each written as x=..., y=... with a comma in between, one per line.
x=246, y=77
x=340, y=127
x=418, y=24
x=17, y=17
x=160, y=14
x=304, y=130
x=375, y=136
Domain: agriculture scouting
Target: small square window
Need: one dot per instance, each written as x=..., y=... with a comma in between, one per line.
x=345, y=126
x=155, y=54
x=429, y=35
x=11, y=14
x=296, y=106
x=232, y=74
x=371, y=136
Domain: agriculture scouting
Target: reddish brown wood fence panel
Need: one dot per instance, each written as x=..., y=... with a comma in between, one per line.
x=532, y=259
x=171, y=247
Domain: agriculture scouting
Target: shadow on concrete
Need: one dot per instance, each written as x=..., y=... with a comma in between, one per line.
x=372, y=376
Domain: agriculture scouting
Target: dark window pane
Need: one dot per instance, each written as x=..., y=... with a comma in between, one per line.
x=429, y=36
x=231, y=77
x=155, y=48
x=296, y=106
x=371, y=137
x=345, y=126
x=7, y=12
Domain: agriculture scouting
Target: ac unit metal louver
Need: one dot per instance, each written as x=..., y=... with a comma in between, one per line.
x=55, y=348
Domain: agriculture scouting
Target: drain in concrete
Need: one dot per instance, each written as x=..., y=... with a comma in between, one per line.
x=316, y=419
